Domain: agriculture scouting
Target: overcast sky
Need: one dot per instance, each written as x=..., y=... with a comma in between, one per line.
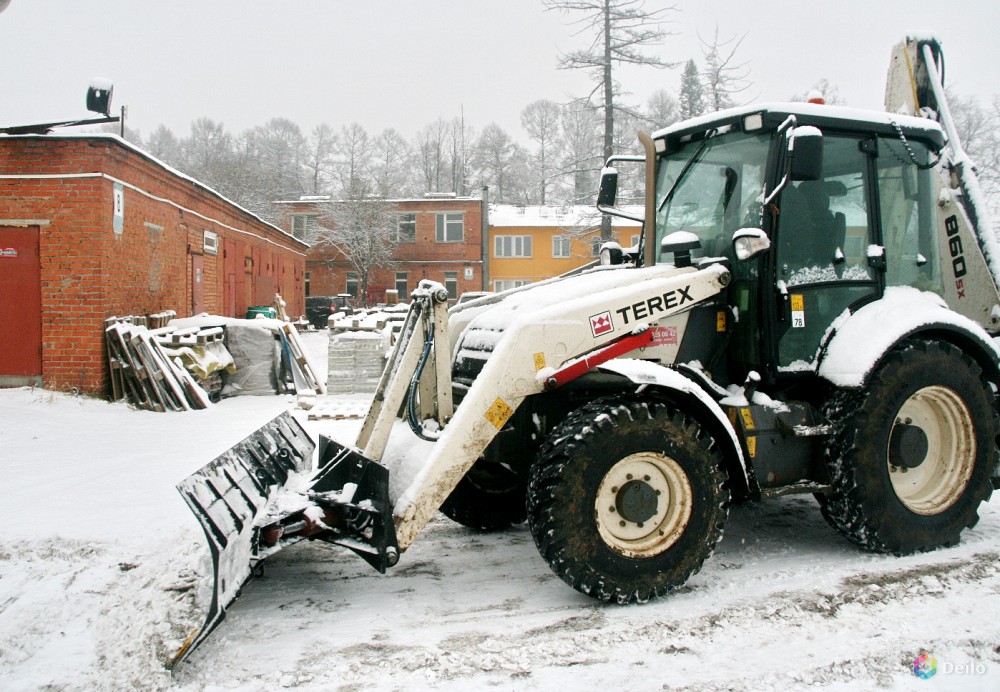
x=405, y=63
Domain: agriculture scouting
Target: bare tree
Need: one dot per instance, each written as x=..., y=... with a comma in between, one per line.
x=460, y=144
x=390, y=164
x=541, y=121
x=978, y=132
x=495, y=155
x=281, y=148
x=724, y=76
x=318, y=158
x=581, y=151
x=619, y=30
x=661, y=109
x=430, y=152
x=361, y=230
x=164, y=145
x=353, y=152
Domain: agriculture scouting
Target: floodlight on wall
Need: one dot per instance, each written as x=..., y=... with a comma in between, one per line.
x=99, y=96
x=98, y=101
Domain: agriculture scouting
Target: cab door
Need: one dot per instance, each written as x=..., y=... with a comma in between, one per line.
x=826, y=260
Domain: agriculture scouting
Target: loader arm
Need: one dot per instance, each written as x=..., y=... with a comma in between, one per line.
x=541, y=334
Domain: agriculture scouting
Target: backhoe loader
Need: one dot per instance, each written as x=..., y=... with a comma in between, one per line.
x=810, y=309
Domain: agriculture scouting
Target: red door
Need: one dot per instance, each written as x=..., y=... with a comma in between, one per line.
x=197, y=284
x=21, y=307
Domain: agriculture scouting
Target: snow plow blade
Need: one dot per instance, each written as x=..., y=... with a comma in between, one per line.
x=247, y=513
x=228, y=495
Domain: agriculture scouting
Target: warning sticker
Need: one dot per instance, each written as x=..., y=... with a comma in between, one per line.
x=798, y=311
x=539, y=361
x=720, y=321
x=8, y=252
x=498, y=413
x=752, y=445
x=747, y=418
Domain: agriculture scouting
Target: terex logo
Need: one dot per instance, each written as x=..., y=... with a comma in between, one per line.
x=657, y=304
x=601, y=323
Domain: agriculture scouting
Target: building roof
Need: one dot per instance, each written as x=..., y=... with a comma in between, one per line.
x=576, y=216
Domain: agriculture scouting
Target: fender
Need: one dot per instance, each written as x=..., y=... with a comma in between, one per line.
x=645, y=373
x=857, y=342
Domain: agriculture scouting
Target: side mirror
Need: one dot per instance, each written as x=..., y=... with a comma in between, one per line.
x=750, y=242
x=608, y=192
x=99, y=97
x=806, y=149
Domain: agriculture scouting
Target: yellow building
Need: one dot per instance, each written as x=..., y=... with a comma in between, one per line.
x=528, y=244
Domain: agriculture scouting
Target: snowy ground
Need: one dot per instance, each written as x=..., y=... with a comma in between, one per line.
x=97, y=548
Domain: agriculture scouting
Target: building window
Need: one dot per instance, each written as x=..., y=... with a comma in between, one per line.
x=307, y=283
x=504, y=284
x=352, y=284
x=595, y=246
x=560, y=246
x=450, y=227
x=451, y=284
x=406, y=231
x=301, y=225
x=210, y=244
x=633, y=241
x=512, y=246
x=402, y=285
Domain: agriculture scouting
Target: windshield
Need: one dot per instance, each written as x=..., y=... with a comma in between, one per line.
x=712, y=188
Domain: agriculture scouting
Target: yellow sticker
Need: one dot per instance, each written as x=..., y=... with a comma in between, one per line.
x=498, y=413
x=747, y=418
x=720, y=321
x=798, y=302
x=539, y=361
x=752, y=445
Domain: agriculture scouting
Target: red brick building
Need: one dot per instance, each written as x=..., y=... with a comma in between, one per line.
x=91, y=226
x=440, y=237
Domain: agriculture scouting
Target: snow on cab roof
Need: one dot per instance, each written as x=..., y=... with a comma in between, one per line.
x=804, y=110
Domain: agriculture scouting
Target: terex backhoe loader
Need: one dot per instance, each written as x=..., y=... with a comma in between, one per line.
x=811, y=309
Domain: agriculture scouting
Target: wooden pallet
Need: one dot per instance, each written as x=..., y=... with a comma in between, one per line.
x=144, y=374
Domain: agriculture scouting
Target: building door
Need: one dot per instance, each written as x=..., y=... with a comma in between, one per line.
x=197, y=284
x=21, y=307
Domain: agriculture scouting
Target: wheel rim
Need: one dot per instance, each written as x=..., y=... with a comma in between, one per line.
x=643, y=504
x=935, y=482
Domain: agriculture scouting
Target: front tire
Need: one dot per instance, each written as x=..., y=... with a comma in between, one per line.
x=911, y=456
x=627, y=499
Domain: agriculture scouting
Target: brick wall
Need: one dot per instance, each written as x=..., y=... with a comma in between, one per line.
x=425, y=258
x=92, y=268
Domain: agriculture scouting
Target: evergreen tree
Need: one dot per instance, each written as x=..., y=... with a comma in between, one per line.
x=692, y=96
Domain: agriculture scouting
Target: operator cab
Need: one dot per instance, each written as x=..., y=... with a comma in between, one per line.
x=815, y=209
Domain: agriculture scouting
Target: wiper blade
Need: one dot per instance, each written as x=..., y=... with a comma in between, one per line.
x=680, y=176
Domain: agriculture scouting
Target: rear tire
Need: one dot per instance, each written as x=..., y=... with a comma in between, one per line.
x=627, y=499
x=911, y=456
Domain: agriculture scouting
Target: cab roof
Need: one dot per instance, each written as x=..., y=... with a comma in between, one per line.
x=832, y=118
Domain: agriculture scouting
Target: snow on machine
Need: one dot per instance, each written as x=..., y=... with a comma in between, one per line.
x=811, y=309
